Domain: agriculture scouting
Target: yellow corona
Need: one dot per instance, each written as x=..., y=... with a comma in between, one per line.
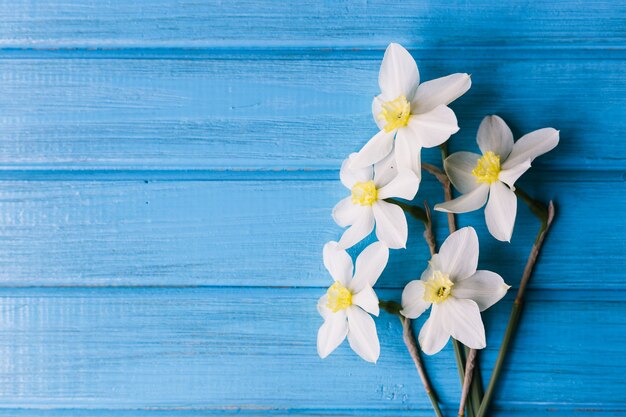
x=364, y=193
x=487, y=168
x=339, y=297
x=396, y=113
x=437, y=288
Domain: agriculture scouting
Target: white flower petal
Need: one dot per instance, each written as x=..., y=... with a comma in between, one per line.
x=369, y=265
x=458, y=255
x=407, y=152
x=346, y=213
x=444, y=90
x=377, y=108
x=385, y=170
x=322, y=308
x=362, y=334
x=376, y=149
x=350, y=175
x=467, y=202
x=404, y=185
x=484, y=287
x=367, y=300
x=463, y=322
x=338, y=263
x=501, y=211
x=509, y=176
x=331, y=333
x=413, y=303
x=495, y=136
x=459, y=168
x=532, y=145
x=391, y=225
x=362, y=227
x=433, y=265
x=433, y=128
x=398, y=74
x=433, y=336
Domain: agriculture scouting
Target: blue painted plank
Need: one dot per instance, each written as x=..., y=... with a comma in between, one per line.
x=254, y=349
x=563, y=410
x=93, y=23
x=270, y=233
x=216, y=166
x=282, y=112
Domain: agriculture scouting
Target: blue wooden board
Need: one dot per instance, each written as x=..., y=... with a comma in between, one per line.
x=281, y=111
x=191, y=232
x=254, y=348
x=167, y=171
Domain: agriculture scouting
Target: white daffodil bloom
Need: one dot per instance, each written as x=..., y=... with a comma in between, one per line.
x=457, y=293
x=415, y=114
x=348, y=303
x=365, y=207
x=494, y=174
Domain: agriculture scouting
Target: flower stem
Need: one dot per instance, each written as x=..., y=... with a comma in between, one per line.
x=415, y=211
x=476, y=383
x=467, y=381
x=445, y=184
x=476, y=388
x=537, y=207
x=409, y=340
x=460, y=358
x=546, y=222
x=429, y=235
x=390, y=307
x=447, y=190
x=422, y=215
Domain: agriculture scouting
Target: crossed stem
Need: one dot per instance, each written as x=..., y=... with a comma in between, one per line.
x=466, y=377
x=469, y=372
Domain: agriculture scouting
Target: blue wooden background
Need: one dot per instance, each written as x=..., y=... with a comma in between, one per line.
x=167, y=172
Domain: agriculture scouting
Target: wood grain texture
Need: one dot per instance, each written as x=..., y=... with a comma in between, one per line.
x=280, y=112
x=93, y=23
x=246, y=412
x=167, y=171
x=186, y=348
x=270, y=233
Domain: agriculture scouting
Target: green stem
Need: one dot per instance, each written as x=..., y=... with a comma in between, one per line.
x=390, y=307
x=460, y=358
x=510, y=330
x=415, y=211
x=537, y=207
x=546, y=222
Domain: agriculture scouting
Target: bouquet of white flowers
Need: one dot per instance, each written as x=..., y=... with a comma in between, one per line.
x=412, y=116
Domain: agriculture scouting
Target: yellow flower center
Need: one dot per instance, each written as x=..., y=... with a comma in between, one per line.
x=487, y=168
x=396, y=113
x=437, y=288
x=364, y=193
x=339, y=297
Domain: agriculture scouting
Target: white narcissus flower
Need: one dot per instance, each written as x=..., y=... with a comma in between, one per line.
x=457, y=293
x=503, y=162
x=348, y=303
x=365, y=207
x=415, y=114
